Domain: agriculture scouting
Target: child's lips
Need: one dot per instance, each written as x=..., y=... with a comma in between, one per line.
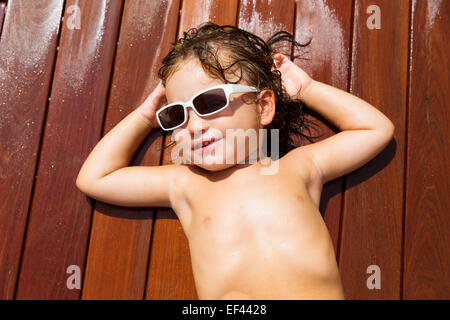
x=207, y=147
x=203, y=143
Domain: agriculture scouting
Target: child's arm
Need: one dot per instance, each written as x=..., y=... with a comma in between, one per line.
x=105, y=174
x=365, y=130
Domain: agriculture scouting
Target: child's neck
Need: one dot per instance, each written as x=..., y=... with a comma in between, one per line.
x=252, y=158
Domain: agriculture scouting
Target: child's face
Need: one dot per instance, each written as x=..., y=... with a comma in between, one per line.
x=190, y=79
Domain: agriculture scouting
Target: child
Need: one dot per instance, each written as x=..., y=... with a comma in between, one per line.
x=251, y=235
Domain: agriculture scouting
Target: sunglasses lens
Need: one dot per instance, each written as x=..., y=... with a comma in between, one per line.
x=210, y=101
x=172, y=116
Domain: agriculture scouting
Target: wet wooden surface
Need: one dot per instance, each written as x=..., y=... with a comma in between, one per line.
x=121, y=234
x=426, y=272
x=62, y=88
x=374, y=195
x=26, y=66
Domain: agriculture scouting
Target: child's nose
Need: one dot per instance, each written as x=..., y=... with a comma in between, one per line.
x=195, y=122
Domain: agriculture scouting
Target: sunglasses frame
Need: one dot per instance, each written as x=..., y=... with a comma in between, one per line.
x=227, y=88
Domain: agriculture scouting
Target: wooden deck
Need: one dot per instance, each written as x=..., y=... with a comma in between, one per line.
x=63, y=87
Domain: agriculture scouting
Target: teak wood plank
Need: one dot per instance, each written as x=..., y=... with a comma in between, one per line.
x=217, y=11
x=373, y=200
x=170, y=271
x=27, y=53
x=264, y=18
x=120, y=237
x=326, y=59
x=60, y=217
x=427, y=225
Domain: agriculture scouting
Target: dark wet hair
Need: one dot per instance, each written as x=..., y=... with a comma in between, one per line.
x=252, y=58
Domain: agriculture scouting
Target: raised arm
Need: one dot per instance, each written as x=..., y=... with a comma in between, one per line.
x=365, y=131
x=105, y=174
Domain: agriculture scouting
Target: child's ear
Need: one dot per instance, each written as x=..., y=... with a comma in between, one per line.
x=266, y=106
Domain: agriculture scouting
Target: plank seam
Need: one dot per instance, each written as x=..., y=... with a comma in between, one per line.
x=294, y=29
x=236, y=19
x=94, y=203
x=149, y=255
x=4, y=15
x=344, y=178
x=155, y=210
x=408, y=83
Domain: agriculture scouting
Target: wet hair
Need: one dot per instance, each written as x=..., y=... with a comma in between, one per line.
x=224, y=50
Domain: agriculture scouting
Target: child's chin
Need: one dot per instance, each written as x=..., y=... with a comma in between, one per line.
x=213, y=166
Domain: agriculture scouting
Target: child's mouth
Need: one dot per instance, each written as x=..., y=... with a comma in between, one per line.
x=207, y=146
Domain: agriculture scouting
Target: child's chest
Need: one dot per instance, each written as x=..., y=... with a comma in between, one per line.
x=260, y=225
x=251, y=207
x=256, y=225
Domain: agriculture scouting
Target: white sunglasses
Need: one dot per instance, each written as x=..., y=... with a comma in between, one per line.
x=204, y=103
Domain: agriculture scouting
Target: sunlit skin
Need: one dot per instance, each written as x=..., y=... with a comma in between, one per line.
x=251, y=236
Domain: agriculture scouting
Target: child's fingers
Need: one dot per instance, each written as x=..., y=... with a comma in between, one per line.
x=156, y=96
x=279, y=59
x=158, y=93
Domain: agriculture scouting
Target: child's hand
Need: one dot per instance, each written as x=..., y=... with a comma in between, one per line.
x=149, y=107
x=294, y=79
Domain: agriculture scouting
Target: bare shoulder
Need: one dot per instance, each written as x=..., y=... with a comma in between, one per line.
x=181, y=177
x=300, y=165
x=299, y=162
x=180, y=180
